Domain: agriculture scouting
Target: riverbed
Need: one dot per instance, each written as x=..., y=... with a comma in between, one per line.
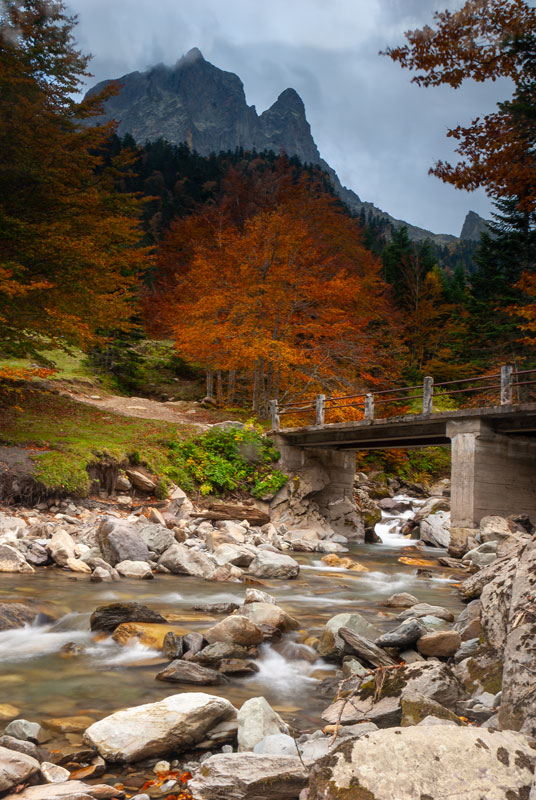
x=44, y=682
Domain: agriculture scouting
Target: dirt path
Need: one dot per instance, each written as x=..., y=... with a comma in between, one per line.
x=180, y=411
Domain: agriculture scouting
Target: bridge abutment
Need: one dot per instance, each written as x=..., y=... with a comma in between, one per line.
x=491, y=473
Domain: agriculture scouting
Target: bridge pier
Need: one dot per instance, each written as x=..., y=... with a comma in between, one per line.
x=491, y=473
x=323, y=479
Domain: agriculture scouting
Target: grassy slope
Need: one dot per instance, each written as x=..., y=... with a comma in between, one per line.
x=71, y=436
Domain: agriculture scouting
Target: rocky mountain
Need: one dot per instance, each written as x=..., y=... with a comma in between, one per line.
x=198, y=103
x=473, y=226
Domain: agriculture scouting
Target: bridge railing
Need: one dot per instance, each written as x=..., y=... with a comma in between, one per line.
x=506, y=384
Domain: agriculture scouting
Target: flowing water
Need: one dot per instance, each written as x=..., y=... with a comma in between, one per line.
x=42, y=682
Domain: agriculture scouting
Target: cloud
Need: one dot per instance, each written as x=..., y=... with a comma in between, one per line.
x=377, y=130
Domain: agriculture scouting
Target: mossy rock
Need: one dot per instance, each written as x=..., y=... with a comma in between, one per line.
x=416, y=707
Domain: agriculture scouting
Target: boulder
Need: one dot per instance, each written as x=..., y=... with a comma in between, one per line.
x=28, y=748
x=435, y=529
x=481, y=556
x=172, y=725
x=439, y=643
x=52, y=773
x=69, y=789
x=269, y=614
x=401, y=600
x=61, y=547
x=107, y=618
x=257, y=596
x=77, y=565
x=158, y=538
x=141, y=479
x=468, y=623
x=189, y=672
x=233, y=554
x=403, y=636
x=277, y=744
x=502, y=569
x=16, y=615
x=416, y=707
x=119, y=541
x=249, y=776
x=134, y=569
x=332, y=645
x=273, y=565
x=425, y=610
x=13, y=561
x=365, y=650
x=15, y=768
x=236, y=630
x=212, y=654
x=411, y=763
x=518, y=702
x=25, y=730
x=149, y=634
x=256, y=720
x=182, y=560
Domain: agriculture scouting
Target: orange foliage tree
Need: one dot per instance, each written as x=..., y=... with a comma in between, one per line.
x=68, y=251
x=288, y=298
x=484, y=40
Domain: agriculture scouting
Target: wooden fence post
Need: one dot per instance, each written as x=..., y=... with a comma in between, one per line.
x=274, y=412
x=320, y=409
x=428, y=395
x=369, y=407
x=507, y=372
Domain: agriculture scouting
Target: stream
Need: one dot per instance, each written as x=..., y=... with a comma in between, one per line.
x=43, y=683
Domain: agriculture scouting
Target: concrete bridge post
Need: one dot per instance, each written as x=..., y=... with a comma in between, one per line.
x=491, y=474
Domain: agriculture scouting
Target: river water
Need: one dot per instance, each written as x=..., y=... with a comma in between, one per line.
x=42, y=683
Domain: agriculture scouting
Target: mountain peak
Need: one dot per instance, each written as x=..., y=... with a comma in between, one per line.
x=191, y=56
x=290, y=99
x=474, y=225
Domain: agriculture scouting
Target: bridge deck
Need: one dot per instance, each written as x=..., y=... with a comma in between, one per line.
x=411, y=430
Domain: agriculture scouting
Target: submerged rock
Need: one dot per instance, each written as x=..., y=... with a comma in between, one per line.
x=174, y=724
x=16, y=615
x=107, y=618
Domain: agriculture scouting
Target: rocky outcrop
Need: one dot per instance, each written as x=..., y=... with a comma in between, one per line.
x=172, y=725
x=410, y=763
x=473, y=227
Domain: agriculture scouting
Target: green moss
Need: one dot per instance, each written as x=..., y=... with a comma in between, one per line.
x=370, y=518
x=485, y=674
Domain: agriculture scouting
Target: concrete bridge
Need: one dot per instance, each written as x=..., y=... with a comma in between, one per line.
x=493, y=447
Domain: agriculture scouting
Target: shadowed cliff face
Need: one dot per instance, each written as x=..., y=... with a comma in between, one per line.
x=197, y=103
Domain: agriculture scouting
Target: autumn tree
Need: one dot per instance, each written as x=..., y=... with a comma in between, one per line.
x=484, y=40
x=288, y=298
x=68, y=250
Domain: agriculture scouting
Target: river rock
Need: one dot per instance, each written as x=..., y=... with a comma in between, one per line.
x=411, y=763
x=13, y=561
x=273, y=565
x=237, y=666
x=236, y=630
x=256, y=720
x=481, y=556
x=277, y=744
x=150, y=634
x=468, y=623
x=120, y=541
x=518, y=703
x=193, y=642
x=173, y=645
x=425, y=610
x=182, y=560
x=158, y=538
x=16, y=615
x=15, y=768
x=28, y=748
x=212, y=654
x=248, y=776
x=135, y=569
x=401, y=600
x=52, y=773
x=238, y=556
x=102, y=575
x=332, y=645
x=107, y=618
x=404, y=636
x=174, y=724
x=269, y=614
x=439, y=643
x=61, y=547
x=416, y=707
x=189, y=672
x=77, y=565
x=25, y=730
x=257, y=596
x=435, y=529
x=74, y=789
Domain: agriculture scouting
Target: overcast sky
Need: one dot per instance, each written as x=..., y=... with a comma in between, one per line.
x=377, y=130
